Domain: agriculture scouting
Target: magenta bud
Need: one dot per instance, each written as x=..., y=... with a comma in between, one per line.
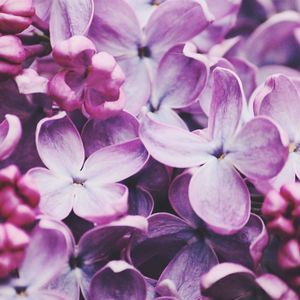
x=15, y=15
x=289, y=255
x=274, y=204
x=12, y=54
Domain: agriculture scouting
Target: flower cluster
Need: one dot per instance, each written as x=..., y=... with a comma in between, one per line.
x=149, y=150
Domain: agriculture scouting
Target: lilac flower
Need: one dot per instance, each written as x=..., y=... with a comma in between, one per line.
x=89, y=188
x=115, y=29
x=15, y=16
x=232, y=281
x=95, y=249
x=255, y=149
x=43, y=260
x=279, y=99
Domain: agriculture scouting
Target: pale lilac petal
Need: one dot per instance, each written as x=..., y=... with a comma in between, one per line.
x=179, y=198
x=57, y=192
x=187, y=267
x=47, y=295
x=210, y=194
x=118, y=280
x=179, y=79
x=100, y=203
x=282, y=103
x=244, y=247
x=45, y=255
x=167, y=25
x=10, y=134
x=98, y=134
x=276, y=288
x=137, y=86
x=115, y=28
x=274, y=40
x=168, y=116
x=70, y=18
x=226, y=106
x=257, y=150
x=171, y=145
x=227, y=281
x=30, y=82
x=116, y=162
x=295, y=157
x=59, y=145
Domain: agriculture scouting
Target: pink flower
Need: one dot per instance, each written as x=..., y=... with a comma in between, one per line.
x=18, y=200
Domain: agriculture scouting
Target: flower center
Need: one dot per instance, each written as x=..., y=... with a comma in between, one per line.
x=21, y=291
x=75, y=262
x=144, y=52
x=78, y=181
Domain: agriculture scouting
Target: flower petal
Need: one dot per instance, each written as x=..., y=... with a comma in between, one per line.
x=70, y=18
x=56, y=192
x=167, y=25
x=227, y=281
x=226, y=106
x=187, y=267
x=257, y=150
x=59, y=145
x=244, y=247
x=115, y=28
x=140, y=202
x=118, y=280
x=137, y=86
x=100, y=204
x=281, y=103
x=10, y=134
x=179, y=80
x=98, y=134
x=45, y=255
x=171, y=145
x=116, y=162
x=211, y=194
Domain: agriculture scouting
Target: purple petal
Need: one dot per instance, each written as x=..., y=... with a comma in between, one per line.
x=70, y=18
x=137, y=86
x=187, y=267
x=98, y=134
x=210, y=194
x=140, y=202
x=59, y=145
x=45, y=255
x=228, y=281
x=276, y=288
x=226, y=105
x=118, y=280
x=245, y=247
x=257, y=150
x=274, y=40
x=167, y=234
x=171, y=145
x=179, y=80
x=100, y=203
x=116, y=162
x=167, y=25
x=10, y=135
x=179, y=198
x=115, y=28
x=274, y=104
x=57, y=192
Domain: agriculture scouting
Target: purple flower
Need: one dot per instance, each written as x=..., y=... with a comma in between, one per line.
x=43, y=261
x=89, y=188
x=255, y=149
x=88, y=80
x=115, y=29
